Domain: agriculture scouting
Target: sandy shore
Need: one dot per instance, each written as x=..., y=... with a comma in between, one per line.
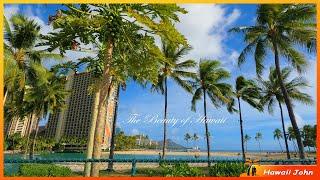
x=252, y=155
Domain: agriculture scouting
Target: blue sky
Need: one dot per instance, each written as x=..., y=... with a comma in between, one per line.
x=205, y=26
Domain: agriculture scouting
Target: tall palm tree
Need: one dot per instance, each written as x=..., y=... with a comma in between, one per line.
x=46, y=94
x=277, y=134
x=272, y=95
x=292, y=137
x=177, y=70
x=248, y=91
x=21, y=36
x=258, y=137
x=246, y=140
x=187, y=137
x=281, y=28
x=210, y=82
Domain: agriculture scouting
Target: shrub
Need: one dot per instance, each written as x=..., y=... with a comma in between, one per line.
x=181, y=170
x=227, y=169
x=44, y=170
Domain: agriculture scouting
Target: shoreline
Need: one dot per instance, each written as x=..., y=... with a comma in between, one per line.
x=251, y=155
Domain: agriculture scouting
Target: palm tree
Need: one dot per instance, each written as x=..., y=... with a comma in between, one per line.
x=246, y=140
x=209, y=81
x=187, y=137
x=247, y=91
x=258, y=137
x=272, y=95
x=195, y=138
x=307, y=133
x=124, y=37
x=178, y=71
x=46, y=94
x=281, y=28
x=19, y=46
x=277, y=134
x=292, y=137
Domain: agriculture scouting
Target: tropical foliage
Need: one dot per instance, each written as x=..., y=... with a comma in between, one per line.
x=209, y=81
x=272, y=95
x=277, y=134
x=248, y=91
x=280, y=28
x=123, y=37
x=178, y=71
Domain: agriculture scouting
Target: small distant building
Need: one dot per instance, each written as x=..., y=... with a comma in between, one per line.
x=142, y=140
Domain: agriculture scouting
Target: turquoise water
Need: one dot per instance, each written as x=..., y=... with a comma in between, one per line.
x=116, y=156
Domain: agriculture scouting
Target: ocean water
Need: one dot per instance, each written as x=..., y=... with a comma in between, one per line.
x=67, y=156
x=12, y=168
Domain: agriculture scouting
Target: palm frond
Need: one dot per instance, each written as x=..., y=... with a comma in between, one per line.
x=196, y=96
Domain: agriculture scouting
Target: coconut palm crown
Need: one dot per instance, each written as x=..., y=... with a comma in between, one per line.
x=210, y=82
x=280, y=29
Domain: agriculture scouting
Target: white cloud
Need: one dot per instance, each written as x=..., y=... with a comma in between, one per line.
x=134, y=131
x=205, y=27
x=10, y=10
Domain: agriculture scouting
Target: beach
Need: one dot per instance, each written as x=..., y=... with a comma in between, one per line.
x=251, y=155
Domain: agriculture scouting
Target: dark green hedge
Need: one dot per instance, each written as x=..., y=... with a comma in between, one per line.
x=44, y=170
x=227, y=169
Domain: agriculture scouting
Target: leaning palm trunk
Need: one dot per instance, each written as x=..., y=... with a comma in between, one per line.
x=206, y=125
x=87, y=169
x=105, y=86
x=110, y=164
x=288, y=104
x=284, y=132
x=241, y=131
x=28, y=135
x=31, y=155
x=165, y=118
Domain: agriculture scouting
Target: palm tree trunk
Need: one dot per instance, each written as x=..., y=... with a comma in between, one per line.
x=165, y=118
x=288, y=104
x=28, y=135
x=5, y=96
x=31, y=155
x=284, y=132
x=99, y=132
x=95, y=109
x=280, y=145
x=241, y=131
x=206, y=125
x=105, y=85
x=259, y=146
x=111, y=154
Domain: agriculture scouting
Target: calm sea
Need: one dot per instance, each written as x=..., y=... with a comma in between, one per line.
x=116, y=156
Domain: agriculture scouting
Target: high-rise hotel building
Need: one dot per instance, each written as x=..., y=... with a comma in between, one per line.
x=75, y=119
x=21, y=126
